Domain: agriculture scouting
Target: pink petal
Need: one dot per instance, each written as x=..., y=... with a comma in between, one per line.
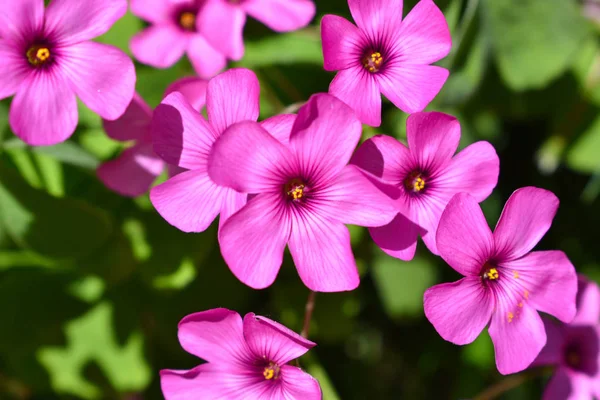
x=549, y=279
x=424, y=34
x=222, y=24
x=376, y=17
x=180, y=134
x=216, y=336
x=231, y=97
x=357, y=88
x=154, y=11
x=280, y=126
x=193, y=90
x=385, y=157
x=248, y=159
x=398, y=238
x=324, y=136
x=134, y=124
x=474, y=170
x=281, y=15
x=15, y=70
x=44, y=111
x=102, y=76
x=273, y=341
x=588, y=303
x=20, y=20
x=298, y=385
x=353, y=198
x=411, y=87
x=432, y=138
x=160, y=46
x=459, y=310
x=464, y=238
x=342, y=42
x=189, y=201
x=232, y=203
x=322, y=253
x=525, y=219
x=74, y=21
x=552, y=353
x=253, y=240
x=133, y=172
x=206, y=60
x=518, y=336
x=566, y=385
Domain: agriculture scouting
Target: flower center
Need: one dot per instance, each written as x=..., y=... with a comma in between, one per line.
x=38, y=54
x=414, y=182
x=295, y=189
x=187, y=20
x=489, y=273
x=573, y=359
x=271, y=371
x=372, y=61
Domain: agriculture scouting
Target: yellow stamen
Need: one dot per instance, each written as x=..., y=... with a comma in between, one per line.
x=491, y=274
x=372, y=61
x=510, y=317
x=295, y=189
x=414, y=182
x=37, y=55
x=516, y=274
x=187, y=20
x=271, y=371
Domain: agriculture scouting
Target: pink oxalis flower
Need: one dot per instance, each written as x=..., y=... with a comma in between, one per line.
x=172, y=33
x=575, y=349
x=504, y=283
x=47, y=58
x=191, y=200
x=386, y=54
x=427, y=174
x=305, y=193
x=246, y=360
x=136, y=168
x=222, y=21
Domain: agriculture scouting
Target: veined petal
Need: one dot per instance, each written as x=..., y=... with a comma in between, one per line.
x=432, y=139
x=321, y=251
x=588, y=303
x=231, y=97
x=74, y=21
x=206, y=60
x=525, y=219
x=232, y=203
x=464, y=238
x=357, y=88
x=154, y=11
x=426, y=213
x=44, y=111
x=189, y=201
x=398, y=238
x=281, y=15
x=160, y=46
x=193, y=90
x=21, y=19
x=424, y=34
x=222, y=24
x=376, y=17
x=566, y=385
x=101, y=75
x=14, y=67
x=134, y=124
x=459, y=310
x=253, y=240
x=280, y=126
x=384, y=157
x=297, y=385
x=552, y=353
x=341, y=43
x=270, y=339
x=180, y=134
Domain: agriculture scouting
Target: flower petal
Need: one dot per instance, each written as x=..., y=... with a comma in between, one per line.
x=432, y=139
x=459, y=310
x=102, y=76
x=518, y=337
x=74, y=21
x=206, y=60
x=298, y=385
x=341, y=43
x=566, y=385
x=549, y=279
x=193, y=90
x=280, y=126
x=232, y=203
x=464, y=238
x=189, y=201
x=357, y=88
x=281, y=15
x=426, y=213
x=248, y=159
x=588, y=303
x=525, y=219
x=376, y=17
x=324, y=136
x=384, y=157
x=15, y=70
x=180, y=134
x=134, y=124
x=154, y=11
x=231, y=97
x=216, y=336
x=44, y=111
x=424, y=34
x=253, y=240
x=411, y=87
x=21, y=19
x=398, y=238
x=273, y=341
x=133, y=172
x=552, y=353
x=322, y=253
x=160, y=46
x=222, y=24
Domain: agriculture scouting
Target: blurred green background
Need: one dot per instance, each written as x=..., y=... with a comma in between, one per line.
x=92, y=284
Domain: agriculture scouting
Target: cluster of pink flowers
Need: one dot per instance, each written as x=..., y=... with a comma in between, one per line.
x=297, y=180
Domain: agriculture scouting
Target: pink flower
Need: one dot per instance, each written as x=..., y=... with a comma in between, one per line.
x=133, y=172
x=47, y=58
x=222, y=21
x=427, y=174
x=386, y=54
x=191, y=200
x=173, y=32
x=246, y=360
x=575, y=349
x=306, y=193
x=504, y=281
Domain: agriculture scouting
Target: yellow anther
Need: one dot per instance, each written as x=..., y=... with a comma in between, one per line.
x=510, y=317
x=516, y=274
x=491, y=274
x=43, y=54
x=187, y=20
x=269, y=373
x=295, y=189
x=372, y=61
x=414, y=182
x=38, y=55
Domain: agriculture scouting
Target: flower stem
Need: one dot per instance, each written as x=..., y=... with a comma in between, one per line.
x=308, y=310
x=510, y=382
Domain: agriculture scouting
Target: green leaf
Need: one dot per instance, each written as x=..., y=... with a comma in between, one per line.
x=319, y=373
x=70, y=153
x=584, y=154
x=535, y=40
